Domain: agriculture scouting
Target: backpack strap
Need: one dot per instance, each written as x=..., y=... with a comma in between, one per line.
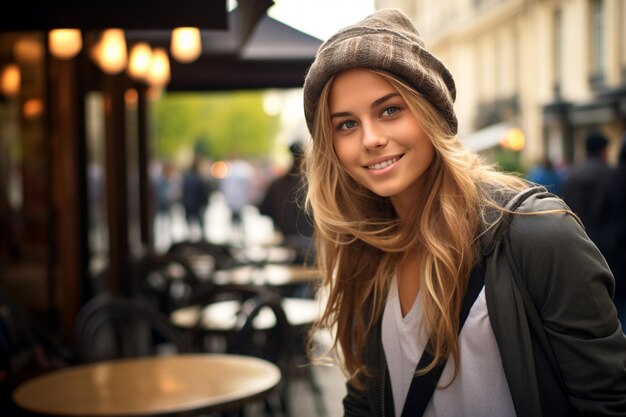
x=502, y=226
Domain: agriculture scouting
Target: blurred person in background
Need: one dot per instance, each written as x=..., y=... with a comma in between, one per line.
x=583, y=189
x=237, y=187
x=284, y=203
x=613, y=209
x=195, y=196
x=544, y=173
x=167, y=192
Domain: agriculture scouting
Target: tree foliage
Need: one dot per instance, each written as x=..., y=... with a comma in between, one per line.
x=215, y=123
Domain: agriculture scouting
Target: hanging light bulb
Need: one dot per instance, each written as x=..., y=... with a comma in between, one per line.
x=28, y=50
x=65, y=43
x=131, y=97
x=140, y=61
x=186, y=45
x=112, y=51
x=10, y=80
x=159, y=74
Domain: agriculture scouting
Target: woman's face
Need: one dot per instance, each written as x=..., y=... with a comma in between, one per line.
x=377, y=139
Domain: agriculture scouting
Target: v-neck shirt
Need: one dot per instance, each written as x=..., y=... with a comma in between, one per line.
x=480, y=388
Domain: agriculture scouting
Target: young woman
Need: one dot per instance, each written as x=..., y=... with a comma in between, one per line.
x=404, y=216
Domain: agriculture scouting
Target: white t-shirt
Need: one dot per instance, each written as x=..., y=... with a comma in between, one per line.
x=479, y=390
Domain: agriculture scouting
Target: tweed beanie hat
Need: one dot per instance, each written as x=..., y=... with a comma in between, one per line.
x=386, y=40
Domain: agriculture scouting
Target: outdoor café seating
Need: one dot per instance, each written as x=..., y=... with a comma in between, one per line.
x=255, y=320
x=129, y=359
x=167, y=280
x=171, y=385
x=110, y=327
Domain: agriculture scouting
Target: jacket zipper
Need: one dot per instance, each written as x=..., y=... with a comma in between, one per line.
x=382, y=392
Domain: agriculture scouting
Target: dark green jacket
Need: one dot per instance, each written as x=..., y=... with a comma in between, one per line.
x=549, y=296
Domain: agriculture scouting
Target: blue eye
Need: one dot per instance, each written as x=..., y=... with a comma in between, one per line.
x=390, y=111
x=348, y=124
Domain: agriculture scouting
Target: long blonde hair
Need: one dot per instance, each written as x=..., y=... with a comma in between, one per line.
x=360, y=241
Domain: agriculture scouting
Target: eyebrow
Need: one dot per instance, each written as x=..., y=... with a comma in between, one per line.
x=375, y=103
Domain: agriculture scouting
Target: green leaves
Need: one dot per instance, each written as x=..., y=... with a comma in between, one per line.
x=216, y=123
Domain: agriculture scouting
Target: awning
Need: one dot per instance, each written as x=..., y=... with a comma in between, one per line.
x=274, y=55
x=126, y=14
x=487, y=137
x=274, y=40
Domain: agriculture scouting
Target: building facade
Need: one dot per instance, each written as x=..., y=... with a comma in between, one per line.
x=551, y=68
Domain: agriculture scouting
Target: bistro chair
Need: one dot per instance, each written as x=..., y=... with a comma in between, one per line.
x=167, y=281
x=245, y=320
x=251, y=337
x=272, y=344
x=219, y=299
x=222, y=255
x=249, y=320
x=27, y=350
x=111, y=327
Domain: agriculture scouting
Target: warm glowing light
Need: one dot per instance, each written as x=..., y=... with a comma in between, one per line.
x=219, y=169
x=272, y=104
x=140, y=61
x=32, y=108
x=514, y=140
x=65, y=43
x=10, y=80
x=159, y=68
x=131, y=97
x=28, y=50
x=186, y=44
x=112, y=51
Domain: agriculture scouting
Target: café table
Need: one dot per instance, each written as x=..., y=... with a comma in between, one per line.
x=204, y=264
x=273, y=275
x=221, y=316
x=187, y=384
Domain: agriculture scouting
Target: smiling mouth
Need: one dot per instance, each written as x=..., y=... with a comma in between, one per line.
x=384, y=164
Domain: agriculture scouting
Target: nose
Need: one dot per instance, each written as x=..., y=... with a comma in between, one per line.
x=372, y=138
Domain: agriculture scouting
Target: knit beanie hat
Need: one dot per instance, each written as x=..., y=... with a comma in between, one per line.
x=386, y=40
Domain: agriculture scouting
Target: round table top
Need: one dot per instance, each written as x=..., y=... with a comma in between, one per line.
x=149, y=386
x=270, y=274
x=222, y=315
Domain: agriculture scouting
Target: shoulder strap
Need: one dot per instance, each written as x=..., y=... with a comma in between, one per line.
x=423, y=386
x=502, y=226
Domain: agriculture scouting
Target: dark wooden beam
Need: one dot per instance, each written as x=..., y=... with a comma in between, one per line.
x=118, y=274
x=146, y=200
x=68, y=187
x=125, y=14
x=214, y=73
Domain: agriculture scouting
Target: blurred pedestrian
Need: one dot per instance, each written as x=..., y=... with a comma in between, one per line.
x=415, y=236
x=284, y=203
x=544, y=173
x=195, y=196
x=583, y=189
x=168, y=192
x=614, y=210
x=237, y=187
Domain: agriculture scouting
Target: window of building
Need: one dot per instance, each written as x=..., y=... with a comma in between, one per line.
x=622, y=38
x=557, y=51
x=499, y=67
x=517, y=61
x=25, y=187
x=598, y=43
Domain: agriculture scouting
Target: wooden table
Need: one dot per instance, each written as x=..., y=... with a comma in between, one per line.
x=162, y=385
x=222, y=315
